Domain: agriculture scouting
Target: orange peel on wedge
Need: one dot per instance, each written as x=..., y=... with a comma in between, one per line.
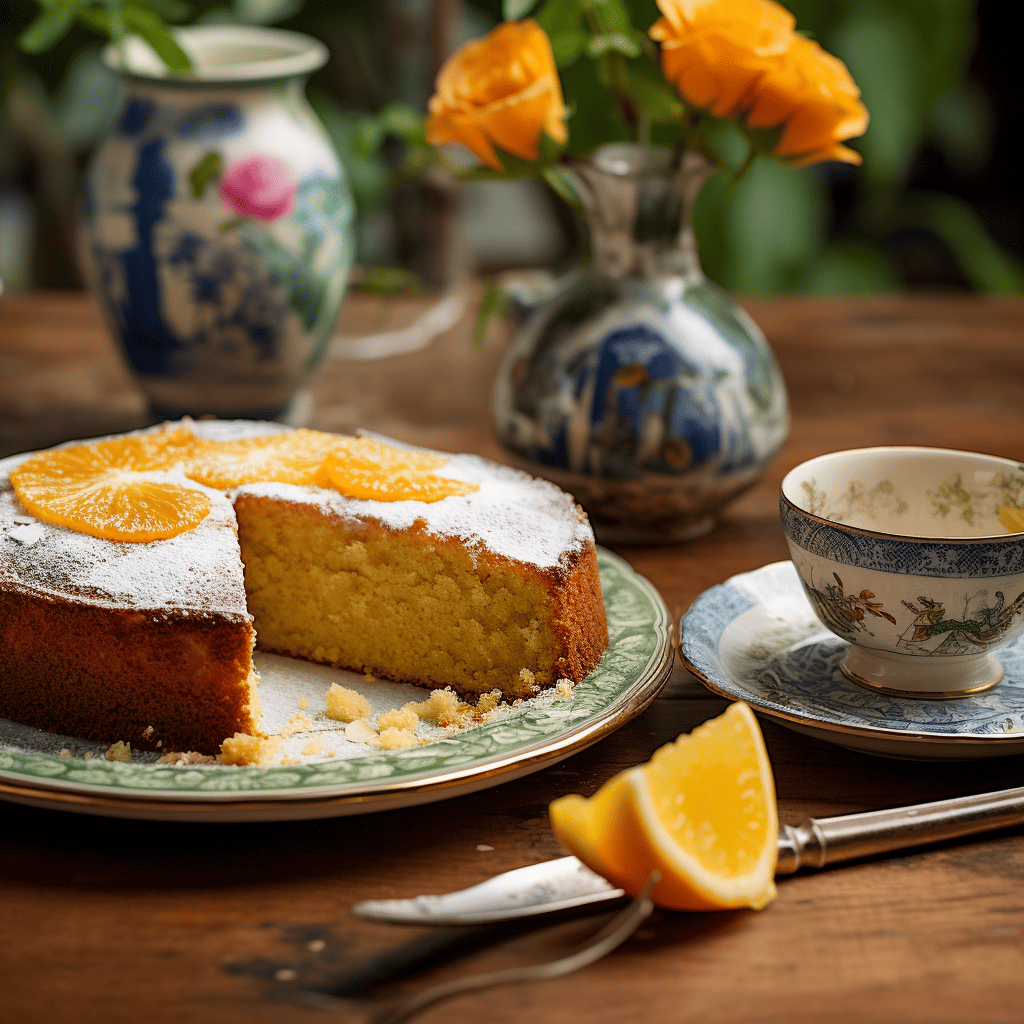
x=701, y=812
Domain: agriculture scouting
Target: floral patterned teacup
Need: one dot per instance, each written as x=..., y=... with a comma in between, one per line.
x=217, y=223
x=916, y=557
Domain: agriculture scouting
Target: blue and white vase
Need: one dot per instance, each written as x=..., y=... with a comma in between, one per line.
x=640, y=386
x=217, y=223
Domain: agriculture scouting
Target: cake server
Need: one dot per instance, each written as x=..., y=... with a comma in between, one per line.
x=565, y=884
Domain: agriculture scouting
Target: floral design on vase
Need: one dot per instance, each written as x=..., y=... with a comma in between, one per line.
x=640, y=387
x=217, y=226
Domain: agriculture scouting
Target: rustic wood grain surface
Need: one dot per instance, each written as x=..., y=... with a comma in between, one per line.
x=104, y=920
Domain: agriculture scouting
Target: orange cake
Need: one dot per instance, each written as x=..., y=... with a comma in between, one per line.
x=471, y=575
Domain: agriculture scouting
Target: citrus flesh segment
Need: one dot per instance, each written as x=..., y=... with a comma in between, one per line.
x=109, y=489
x=292, y=457
x=363, y=468
x=701, y=812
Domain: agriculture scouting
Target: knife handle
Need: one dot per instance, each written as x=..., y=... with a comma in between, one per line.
x=816, y=842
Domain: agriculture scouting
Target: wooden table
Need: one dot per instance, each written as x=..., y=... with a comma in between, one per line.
x=106, y=920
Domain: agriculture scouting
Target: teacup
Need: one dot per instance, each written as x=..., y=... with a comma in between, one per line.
x=916, y=557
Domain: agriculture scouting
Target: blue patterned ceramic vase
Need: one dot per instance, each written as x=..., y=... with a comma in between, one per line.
x=640, y=387
x=217, y=224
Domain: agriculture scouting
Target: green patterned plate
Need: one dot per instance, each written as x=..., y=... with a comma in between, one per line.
x=522, y=739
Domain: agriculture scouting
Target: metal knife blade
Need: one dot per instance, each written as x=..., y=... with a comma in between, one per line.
x=565, y=883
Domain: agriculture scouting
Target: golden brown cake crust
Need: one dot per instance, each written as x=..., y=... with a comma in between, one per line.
x=151, y=643
x=155, y=680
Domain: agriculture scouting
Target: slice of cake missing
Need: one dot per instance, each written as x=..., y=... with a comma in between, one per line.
x=465, y=592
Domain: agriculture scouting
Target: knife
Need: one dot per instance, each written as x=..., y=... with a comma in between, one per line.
x=565, y=884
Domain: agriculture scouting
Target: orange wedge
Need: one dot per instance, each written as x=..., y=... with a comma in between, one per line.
x=107, y=489
x=363, y=468
x=701, y=812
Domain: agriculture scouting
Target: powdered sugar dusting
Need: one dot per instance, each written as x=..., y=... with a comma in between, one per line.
x=199, y=570
x=511, y=514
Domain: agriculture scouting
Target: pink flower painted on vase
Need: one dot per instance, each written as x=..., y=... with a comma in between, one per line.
x=259, y=186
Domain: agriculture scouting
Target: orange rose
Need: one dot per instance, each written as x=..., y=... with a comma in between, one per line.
x=716, y=51
x=811, y=93
x=501, y=90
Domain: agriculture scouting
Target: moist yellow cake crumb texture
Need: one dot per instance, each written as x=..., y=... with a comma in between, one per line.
x=411, y=607
x=242, y=748
x=443, y=707
x=400, y=718
x=397, y=739
x=345, y=705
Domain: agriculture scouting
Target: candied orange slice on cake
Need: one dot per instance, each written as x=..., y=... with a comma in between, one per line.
x=113, y=489
x=701, y=812
x=360, y=467
x=291, y=457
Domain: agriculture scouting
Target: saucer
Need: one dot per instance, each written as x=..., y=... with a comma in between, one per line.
x=754, y=638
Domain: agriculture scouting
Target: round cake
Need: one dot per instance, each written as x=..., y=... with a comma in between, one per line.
x=485, y=579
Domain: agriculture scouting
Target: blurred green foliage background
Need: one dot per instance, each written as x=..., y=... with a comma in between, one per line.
x=935, y=204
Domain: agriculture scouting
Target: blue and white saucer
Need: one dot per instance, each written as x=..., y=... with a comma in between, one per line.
x=755, y=638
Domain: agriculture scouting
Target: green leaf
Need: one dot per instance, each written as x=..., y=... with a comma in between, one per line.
x=50, y=25
x=148, y=26
x=644, y=84
x=567, y=46
x=613, y=42
x=494, y=303
x=513, y=10
x=563, y=185
x=609, y=16
x=558, y=16
x=403, y=121
x=203, y=173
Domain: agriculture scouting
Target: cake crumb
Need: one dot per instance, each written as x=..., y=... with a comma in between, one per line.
x=119, y=751
x=444, y=708
x=529, y=679
x=397, y=739
x=488, y=702
x=147, y=733
x=242, y=749
x=179, y=757
x=564, y=687
x=303, y=704
x=87, y=755
x=297, y=723
x=65, y=752
x=360, y=731
x=345, y=705
x=369, y=676
x=288, y=762
x=400, y=718
x=314, y=746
